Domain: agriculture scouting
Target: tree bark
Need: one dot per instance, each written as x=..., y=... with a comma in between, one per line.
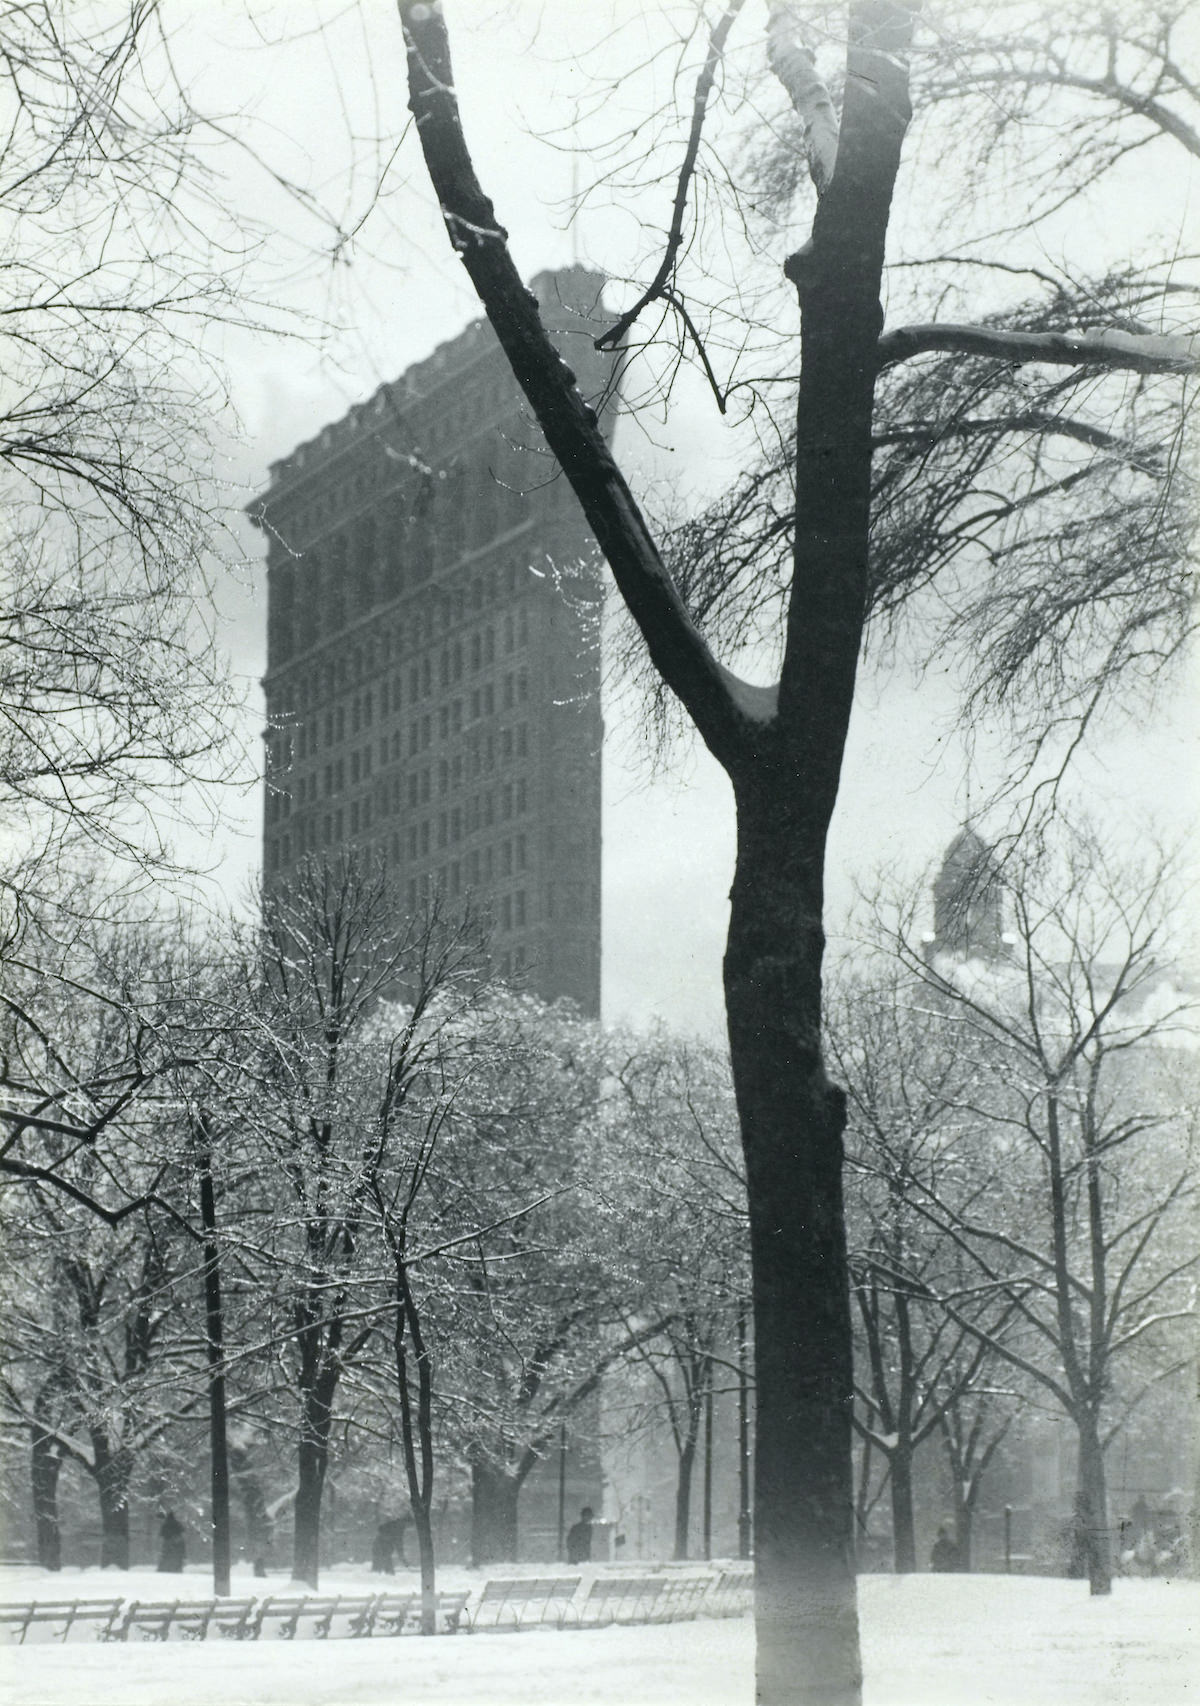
x=311, y=1461
x=494, y=1499
x=1092, y=1507
x=963, y=1531
x=792, y=1121
x=214, y=1325
x=45, y=1468
x=904, y=1531
x=784, y=765
x=112, y=1472
x=683, y=1494
x=744, y=1495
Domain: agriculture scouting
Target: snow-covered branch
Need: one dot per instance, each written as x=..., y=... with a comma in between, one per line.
x=1128, y=352
x=795, y=68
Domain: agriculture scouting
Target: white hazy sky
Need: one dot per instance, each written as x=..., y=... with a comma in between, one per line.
x=311, y=98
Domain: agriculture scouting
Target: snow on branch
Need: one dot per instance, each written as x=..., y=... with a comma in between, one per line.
x=677, y=649
x=795, y=68
x=1131, y=352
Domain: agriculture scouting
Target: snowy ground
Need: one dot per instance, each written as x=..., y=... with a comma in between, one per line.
x=927, y=1641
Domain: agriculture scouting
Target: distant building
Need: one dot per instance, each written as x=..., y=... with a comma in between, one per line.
x=433, y=671
x=967, y=900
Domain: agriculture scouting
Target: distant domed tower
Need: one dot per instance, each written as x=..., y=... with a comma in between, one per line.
x=967, y=901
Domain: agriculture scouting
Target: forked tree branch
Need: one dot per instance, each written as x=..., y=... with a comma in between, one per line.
x=659, y=287
x=1128, y=352
x=676, y=647
x=27, y=1173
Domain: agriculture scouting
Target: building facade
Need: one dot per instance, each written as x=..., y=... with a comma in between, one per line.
x=433, y=670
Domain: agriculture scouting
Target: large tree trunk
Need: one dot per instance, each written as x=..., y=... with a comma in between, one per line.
x=311, y=1462
x=45, y=1468
x=904, y=1532
x=1092, y=1507
x=214, y=1319
x=784, y=763
x=683, y=1494
x=963, y=1532
x=416, y=1430
x=792, y=1121
x=113, y=1473
x=494, y=1497
x=427, y=1560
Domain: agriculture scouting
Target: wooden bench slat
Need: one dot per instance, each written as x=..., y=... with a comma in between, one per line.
x=622, y=1599
x=513, y=1601
x=231, y=1618
x=450, y=1608
x=95, y=1616
x=732, y=1594
x=392, y=1612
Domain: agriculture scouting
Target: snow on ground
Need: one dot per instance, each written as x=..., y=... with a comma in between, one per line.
x=927, y=1641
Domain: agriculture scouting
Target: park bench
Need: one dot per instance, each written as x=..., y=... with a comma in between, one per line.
x=681, y=1597
x=233, y=1619
x=733, y=1593
x=158, y=1619
x=59, y=1619
x=622, y=1599
x=278, y=1615
x=510, y=1602
x=393, y=1611
x=344, y=1616
x=450, y=1608
x=314, y=1616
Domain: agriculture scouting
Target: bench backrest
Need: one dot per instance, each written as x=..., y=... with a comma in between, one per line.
x=734, y=1590
x=392, y=1611
x=635, y=1596
x=230, y=1616
x=451, y=1606
x=158, y=1615
x=96, y=1615
x=502, y=1588
x=528, y=1597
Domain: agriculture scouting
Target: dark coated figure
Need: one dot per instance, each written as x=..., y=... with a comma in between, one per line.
x=579, y=1538
x=171, y=1546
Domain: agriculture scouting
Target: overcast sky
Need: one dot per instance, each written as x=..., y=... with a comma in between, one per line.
x=325, y=108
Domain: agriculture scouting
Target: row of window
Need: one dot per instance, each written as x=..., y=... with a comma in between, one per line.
x=305, y=738
x=482, y=810
x=482, y=749
x=410, y=630
x=429, y=517
x=483, y=756
x=317, y=595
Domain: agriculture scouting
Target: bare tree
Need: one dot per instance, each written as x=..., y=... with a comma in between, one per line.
x=1080, y=1229
x=96, y=1368
x=781, y=746
x=923, y=1373
x=94, y=1040
x=120, y=261
x=110, y=1030
x=542, y=1310
x=678, y=1140
x=333, y=945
